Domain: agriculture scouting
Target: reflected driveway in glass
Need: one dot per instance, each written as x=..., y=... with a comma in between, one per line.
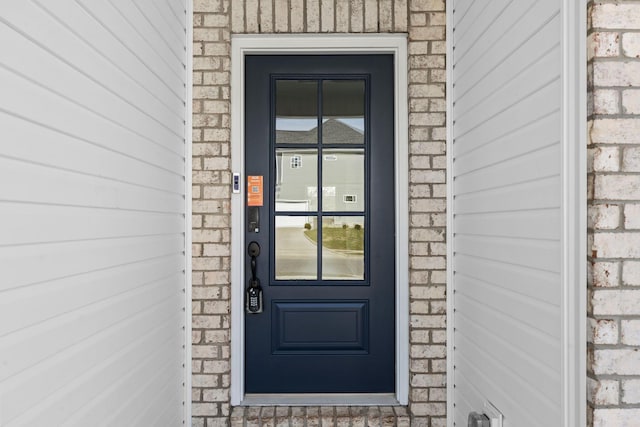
x=296, y=258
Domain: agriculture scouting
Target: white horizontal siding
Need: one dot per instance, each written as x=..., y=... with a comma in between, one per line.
x=92, y=213
x=506, y=173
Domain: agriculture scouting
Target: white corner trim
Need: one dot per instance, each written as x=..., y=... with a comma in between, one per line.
x=310, y=44
x=449, y=231
x=574, y=207
x=188, y=138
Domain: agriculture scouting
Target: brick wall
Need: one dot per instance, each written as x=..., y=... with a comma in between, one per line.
x=211, y=213
x=214, y=20
x=614, y=214
x=427, y=193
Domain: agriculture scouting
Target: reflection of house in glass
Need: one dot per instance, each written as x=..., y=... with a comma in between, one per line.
x=334, y=131
x=342, y=171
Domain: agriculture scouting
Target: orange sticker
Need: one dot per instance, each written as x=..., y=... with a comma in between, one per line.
x=254, y=190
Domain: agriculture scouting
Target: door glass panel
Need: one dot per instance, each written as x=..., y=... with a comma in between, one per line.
x=296, y=112
x=296, y=180
x=343, y=180
x=296, y=254
x=343, y=112
x=343, y=248
x=297, y=234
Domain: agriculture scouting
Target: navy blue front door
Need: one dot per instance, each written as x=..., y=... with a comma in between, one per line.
x=319, y=136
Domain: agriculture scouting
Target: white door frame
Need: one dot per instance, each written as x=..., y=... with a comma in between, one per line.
x=574, y=212
x=395, y=44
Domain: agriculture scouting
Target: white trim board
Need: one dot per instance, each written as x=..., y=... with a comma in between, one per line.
x=574, y=215
x=188, y=161
x=449, y=230
x=395, y=44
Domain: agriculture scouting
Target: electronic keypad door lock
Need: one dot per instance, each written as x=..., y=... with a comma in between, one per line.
x=253, y=298
x=254, y=220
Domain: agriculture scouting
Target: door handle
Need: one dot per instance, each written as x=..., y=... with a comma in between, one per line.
x=254, y=251
x=253, y=303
